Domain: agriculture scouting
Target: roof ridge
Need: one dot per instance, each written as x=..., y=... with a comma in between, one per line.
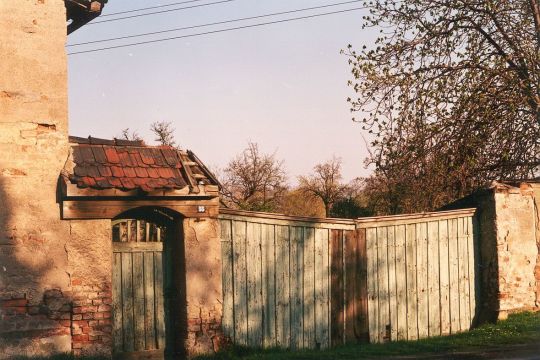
x=98, y=141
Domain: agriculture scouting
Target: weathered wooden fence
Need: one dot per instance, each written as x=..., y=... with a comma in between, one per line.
x=296, y=282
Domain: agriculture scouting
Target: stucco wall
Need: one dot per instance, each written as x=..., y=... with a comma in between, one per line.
x=44, y=262
x=516, y=219
x=203, y=285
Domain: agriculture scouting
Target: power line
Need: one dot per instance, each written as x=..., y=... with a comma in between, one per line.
x=217, y=31
x=160, y=12
x=148, y=8
x=214, y=23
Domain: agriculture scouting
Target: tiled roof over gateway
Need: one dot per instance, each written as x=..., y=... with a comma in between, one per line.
x=130, y=165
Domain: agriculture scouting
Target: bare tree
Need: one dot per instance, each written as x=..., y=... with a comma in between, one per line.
x=127, y=134
x=164, y=133
x=295, y=203
x=451, y=91
x=254, y=181
x=325, y=183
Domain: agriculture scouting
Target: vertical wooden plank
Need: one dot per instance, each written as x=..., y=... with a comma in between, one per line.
x=453, y=256
x=325, y=340
x=350, y=276
x=434, y=300
x=373, y=305
x=149, y=318
x=321, y=309
x=159, y=299
x=392, y=286
x=412, y=293
x=269, y=286
x=138, y=301
x=147, y=232
x=444, y=276
x=129, y=233
x=127, y=302
x=401, y=283
x=476, y=268
x=253, y=259
x=117, y=302
x=282, y=287
x=382, y=271
x=361, y=291
x=296, y=287
x=309, y=287
x=464, y=299
x=336, y=284
x=240, y=289
x=472, y=273
x=227, y=278
x=421, y=279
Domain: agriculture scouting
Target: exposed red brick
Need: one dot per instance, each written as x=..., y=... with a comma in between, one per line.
x=80, y=338
x=103, y=308
x=14, y=303
x=89, y=316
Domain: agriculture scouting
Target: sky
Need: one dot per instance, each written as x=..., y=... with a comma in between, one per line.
x=283, y=86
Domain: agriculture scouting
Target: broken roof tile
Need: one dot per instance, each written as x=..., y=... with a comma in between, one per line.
x=132, y=165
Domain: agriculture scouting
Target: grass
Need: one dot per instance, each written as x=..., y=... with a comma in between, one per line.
x=522, y=328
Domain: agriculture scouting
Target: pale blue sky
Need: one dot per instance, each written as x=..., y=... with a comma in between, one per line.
x=283, y=86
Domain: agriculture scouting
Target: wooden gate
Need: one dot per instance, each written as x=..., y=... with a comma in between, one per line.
x=138, y=283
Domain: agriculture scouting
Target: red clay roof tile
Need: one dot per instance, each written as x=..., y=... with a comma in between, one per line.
x=112, y=155
x=132, y=165
x=141, y=172
x=99, y=154
x=153, y=173
x=117, y=171
x=105, y=170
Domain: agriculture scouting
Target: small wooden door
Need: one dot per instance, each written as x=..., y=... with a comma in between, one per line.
x=139, y=281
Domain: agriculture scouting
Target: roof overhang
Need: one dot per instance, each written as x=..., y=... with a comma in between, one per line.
x=81, y=12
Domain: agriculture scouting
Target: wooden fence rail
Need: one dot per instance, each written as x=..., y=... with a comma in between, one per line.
x=298, y=283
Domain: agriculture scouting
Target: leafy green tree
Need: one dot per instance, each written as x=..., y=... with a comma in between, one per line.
x=451, y=93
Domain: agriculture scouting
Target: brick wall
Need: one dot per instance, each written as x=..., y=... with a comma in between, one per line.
x=91, y=326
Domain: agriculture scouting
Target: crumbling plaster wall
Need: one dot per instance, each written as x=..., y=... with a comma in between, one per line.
x=46, y=264
x=517, y=246
x=203, y=285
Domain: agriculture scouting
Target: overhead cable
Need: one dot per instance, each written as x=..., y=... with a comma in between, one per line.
x=213, y=23
x=148, y=8
x=159, y=12
x=216, y=31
